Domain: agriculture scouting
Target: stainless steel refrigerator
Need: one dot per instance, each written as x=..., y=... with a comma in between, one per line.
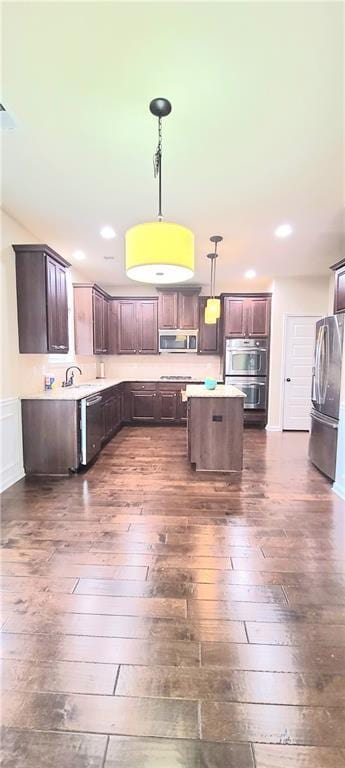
x=325, y=394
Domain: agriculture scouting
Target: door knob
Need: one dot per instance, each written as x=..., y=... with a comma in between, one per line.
x=288, y=379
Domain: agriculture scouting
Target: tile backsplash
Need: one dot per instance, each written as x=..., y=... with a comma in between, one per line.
x=147, y=366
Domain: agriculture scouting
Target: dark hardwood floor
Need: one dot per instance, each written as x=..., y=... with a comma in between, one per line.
x=154, y=617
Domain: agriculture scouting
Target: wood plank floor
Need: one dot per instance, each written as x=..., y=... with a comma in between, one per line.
x=156, y=617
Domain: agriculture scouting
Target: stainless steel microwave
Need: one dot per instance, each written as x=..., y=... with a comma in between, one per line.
x=178, y=341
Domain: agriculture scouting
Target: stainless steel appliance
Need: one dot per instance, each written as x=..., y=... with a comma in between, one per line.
x=178, y=341
x=254, y=388
x=246, y=357
x=91, y=427
x=325, y=395
x=246, y=367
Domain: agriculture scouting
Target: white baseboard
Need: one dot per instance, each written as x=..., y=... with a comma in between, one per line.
x=273, y=429
x=11, y=449
x=339, y=490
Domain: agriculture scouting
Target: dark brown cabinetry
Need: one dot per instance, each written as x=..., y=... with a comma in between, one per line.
x=247, y=316
x=41, y=300
x=137, y=327
x=111, y=412
x=339, y=286
x=208, y=334
x=142, y=401
x=178, y=309
x=155, y=402
x=100, y=323
x=91, y=319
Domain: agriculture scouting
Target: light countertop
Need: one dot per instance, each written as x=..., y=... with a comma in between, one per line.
x=85, y=389
x=221, y=390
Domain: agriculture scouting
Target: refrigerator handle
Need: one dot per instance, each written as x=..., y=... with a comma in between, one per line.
x=317, y=366
x=325, y=366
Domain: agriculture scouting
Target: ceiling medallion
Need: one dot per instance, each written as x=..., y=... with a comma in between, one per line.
x=159, y=252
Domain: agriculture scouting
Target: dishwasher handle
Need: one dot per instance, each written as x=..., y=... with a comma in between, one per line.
x=93, y=400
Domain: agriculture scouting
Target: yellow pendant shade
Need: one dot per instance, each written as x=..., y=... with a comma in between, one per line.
x=210, y=317
x=159, y=252
x=213, y=307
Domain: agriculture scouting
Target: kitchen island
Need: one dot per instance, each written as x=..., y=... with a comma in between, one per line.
x=215, y=427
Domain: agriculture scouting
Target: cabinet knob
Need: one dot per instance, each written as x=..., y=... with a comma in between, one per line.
x=288, y=379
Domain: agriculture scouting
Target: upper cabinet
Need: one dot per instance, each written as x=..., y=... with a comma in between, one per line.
x=339, y=286
x=42, y=303
x=235, y=316
x=91, y=320
x=137, y=326
x=208, y=334
x=247, y=316
x=178, y=309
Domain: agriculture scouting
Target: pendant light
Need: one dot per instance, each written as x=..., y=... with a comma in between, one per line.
x=212, y=309
x=159, y=251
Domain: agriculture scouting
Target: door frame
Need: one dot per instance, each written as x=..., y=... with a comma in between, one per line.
x=286, y=317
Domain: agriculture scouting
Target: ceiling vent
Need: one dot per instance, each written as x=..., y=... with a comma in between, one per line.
x=6, y=121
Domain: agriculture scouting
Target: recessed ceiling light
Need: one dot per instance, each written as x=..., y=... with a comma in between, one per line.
x=79, y=255
x=250, y=273
x=107, y=232
x=284, y=230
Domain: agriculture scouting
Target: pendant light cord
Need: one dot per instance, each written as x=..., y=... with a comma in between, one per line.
x=157, y=166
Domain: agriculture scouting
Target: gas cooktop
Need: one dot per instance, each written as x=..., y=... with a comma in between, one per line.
x=176, y=378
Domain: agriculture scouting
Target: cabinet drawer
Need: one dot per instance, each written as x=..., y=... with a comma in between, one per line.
x=171, y=387
x=147, y=386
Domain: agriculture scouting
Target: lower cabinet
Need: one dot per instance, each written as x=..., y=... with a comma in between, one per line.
x=111, y=412
x=52, y=429
x=154, y=402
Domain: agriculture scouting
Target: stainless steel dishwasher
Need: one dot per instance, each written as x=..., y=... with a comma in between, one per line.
x=91, y=427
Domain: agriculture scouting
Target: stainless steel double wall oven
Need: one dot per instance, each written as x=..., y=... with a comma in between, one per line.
x=246, y=367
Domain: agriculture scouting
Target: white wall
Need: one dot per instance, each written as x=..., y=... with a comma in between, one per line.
x=298, y=296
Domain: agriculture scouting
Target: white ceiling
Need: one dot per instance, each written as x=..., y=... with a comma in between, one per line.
x=254, y=139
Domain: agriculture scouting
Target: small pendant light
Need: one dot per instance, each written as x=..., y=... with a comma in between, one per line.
x=212, y=309
x=159, y=251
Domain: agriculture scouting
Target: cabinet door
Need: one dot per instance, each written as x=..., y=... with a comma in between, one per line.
x=168, y=406
x=105, y=311
x=127, y=328
x=234, y=317
x=97, y=323
x=147, y=327
x=258, y=316
x=339, y=298
x=167, y=310
x=57, y=308
x=208, y=334
x=182, y=409
x=53, y=333
x=188, y=310
x=143, y=406
x=112, y=327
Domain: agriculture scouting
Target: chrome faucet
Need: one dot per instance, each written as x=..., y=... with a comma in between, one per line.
x=70, y=381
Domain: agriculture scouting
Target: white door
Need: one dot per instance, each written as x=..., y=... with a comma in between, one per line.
x=299, y=360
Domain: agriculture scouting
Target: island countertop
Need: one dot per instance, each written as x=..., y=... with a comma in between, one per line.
x=221, y=390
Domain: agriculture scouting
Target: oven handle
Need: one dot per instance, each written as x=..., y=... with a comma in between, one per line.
x=247, y=351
